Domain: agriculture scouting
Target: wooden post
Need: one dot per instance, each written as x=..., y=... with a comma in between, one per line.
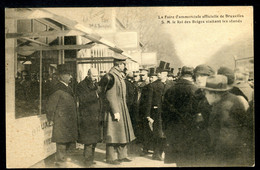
x=40, y=104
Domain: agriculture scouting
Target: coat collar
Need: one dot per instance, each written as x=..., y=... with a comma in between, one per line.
x=116, y=71
x=89, y=83
x=184, y=81
x=63, y=87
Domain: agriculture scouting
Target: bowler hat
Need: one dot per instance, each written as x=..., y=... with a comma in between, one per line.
x=143, y=69
x=216, y=83
x=130, y=74
x=136, y=73
x=204, y=69
x=187, y=70
x=227, y=72
x=64, y=69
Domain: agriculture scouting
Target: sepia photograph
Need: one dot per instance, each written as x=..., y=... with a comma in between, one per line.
x=107, y=87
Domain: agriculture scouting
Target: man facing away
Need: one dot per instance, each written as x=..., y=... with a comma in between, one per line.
x=118, y=130
x=227, y=124
x=90, y=129
x=178, y=112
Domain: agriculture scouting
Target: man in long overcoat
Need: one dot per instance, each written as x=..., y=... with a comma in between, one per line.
x=227, y=124
x=118, y=130
x=147, y=133
x=178, y=118
x=62, y=114
x=90, y=129
x=203, y=109
x=155, y=98
x=131, y=98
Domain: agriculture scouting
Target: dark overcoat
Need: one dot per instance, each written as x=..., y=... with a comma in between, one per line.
x=155, y=98
x=178, y=114
x=90, y=127
x=228, y=130
x=243, y=89
x=131, y=98
x=61, y=109
x=144, y=110
x=201, y=139
x=117, y=131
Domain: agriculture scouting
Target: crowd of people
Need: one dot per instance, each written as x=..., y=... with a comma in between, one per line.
x=202, y=117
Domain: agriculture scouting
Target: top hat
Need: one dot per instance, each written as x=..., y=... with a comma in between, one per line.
x=64, y=69
x=216, y=83
x=163, y=66
x=152, y=72
x=167, y=67
x=170, y=72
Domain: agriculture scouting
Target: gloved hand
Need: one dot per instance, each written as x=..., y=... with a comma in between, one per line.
x=117, y=116
x=50, y=123
x=150, y=119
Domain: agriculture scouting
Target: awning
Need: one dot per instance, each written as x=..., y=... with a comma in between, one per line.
x=61, y=26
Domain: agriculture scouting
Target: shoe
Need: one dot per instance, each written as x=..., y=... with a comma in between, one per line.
x=144, y=153
x=159, y=158
x=68, y=160
x=115, y=162
x=89, y=163
x=61, y=164
x=124, y=160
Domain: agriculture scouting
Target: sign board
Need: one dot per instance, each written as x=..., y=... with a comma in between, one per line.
x=149, y=59
x=126, y=39
x=98, y=19
x=31, y=142
x=136, y=56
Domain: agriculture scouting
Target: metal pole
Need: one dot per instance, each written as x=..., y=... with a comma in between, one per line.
x=40, y=104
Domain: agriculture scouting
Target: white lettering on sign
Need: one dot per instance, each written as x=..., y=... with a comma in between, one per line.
x=99, y=18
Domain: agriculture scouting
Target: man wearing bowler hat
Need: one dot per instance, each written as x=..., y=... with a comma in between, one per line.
x=61, y=113
x=118, y=130
x=226, y=124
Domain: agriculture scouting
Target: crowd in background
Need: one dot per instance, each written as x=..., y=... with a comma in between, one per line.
x=201, y=117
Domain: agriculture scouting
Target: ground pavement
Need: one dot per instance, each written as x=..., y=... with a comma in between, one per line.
x=76, y=161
